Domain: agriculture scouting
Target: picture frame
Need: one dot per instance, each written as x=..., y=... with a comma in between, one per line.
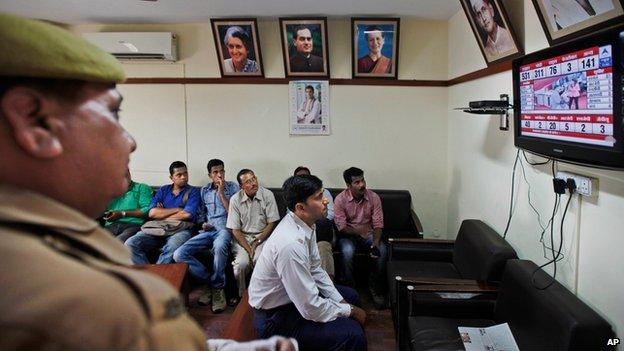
x=569, y=19
x=309, y=107
x=304, y=47
x=238, y=47
x=375, y=47
x=492, y=29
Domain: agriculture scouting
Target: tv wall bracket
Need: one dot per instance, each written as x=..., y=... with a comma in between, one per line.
x=491, y=107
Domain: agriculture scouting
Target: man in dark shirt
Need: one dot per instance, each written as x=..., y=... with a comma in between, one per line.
x=304, y=60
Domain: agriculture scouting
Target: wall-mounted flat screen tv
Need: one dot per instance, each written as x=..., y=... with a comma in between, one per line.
x=568, y=101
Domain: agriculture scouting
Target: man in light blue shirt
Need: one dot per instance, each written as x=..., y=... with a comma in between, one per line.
x=214, y=236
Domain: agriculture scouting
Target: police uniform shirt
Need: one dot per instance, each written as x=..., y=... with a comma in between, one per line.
x=65, y=285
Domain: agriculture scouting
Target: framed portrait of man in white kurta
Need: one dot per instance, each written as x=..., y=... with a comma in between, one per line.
x=492, y=29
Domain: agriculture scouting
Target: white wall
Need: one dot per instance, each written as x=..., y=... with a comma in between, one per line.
x=455, y=165
x=479, y=173
x=396, y=134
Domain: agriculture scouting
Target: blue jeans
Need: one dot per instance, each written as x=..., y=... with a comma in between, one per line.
x=216, y=239
x=343, y=333
x=141, y=243
x=122, y=230
x=349, y=246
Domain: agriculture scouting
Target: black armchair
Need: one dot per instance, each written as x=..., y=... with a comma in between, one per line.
x=540, y=320
x=477, y=255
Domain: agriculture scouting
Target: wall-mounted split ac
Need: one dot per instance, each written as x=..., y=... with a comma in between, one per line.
x=136, y=45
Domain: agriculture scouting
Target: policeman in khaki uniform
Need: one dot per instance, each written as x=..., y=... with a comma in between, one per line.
x=66, y=283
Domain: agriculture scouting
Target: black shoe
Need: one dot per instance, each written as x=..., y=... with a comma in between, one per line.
x=233, y=301
x=379, y=301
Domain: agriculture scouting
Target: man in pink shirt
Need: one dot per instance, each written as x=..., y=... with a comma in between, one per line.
x=359, y=218
x=574, y=91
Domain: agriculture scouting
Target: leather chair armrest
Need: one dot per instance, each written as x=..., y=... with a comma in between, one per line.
x=441, y=281
x=420, y=249
x=417, y=223
x=418, y=241
x=481, y=287
x=455, y=301
x=439, y=287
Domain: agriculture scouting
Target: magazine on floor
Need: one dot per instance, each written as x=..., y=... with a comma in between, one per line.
x=494, y=338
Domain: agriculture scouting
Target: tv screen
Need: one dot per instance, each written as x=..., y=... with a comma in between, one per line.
x=568, y=101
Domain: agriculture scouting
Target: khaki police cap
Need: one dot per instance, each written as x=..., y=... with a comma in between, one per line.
x=30, y=48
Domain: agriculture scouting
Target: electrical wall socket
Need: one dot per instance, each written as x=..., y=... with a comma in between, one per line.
x=585, y=186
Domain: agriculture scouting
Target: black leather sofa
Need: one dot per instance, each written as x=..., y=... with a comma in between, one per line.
x=550, y=319
x=478, y=254
x=400, y=221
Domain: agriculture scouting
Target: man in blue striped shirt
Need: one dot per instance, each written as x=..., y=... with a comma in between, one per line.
x=214, y=236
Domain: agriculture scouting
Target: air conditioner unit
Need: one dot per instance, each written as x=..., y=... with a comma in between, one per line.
x=136, y=45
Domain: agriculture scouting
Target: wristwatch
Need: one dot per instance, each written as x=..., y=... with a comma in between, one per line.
x=123, y=213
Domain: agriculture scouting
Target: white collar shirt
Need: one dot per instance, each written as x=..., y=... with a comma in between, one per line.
x=289, y=271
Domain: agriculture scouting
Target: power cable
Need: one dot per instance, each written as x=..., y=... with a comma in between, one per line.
x=535, y=163
x=556, y=256
x=539, y=217
x=544, y=228
x=513, y=181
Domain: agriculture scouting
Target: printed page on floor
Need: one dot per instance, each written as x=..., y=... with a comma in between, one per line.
x=494, y=338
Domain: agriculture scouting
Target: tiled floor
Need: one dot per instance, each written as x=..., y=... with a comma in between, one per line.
x=379, y=330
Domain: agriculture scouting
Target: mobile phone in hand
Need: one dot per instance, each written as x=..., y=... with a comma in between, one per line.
x=374, y=252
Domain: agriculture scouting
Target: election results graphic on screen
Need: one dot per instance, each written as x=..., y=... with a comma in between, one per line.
x=569, y=97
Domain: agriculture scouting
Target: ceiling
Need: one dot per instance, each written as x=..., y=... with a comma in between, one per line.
x=185, y=11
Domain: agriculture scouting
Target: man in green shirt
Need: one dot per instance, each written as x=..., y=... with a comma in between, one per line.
x=125, y=214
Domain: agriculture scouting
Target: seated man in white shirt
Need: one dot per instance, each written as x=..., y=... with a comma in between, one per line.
x=324, y=229
x=290, y=293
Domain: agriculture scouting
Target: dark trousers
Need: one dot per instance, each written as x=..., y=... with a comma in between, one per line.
x=122, y=230
x=324, y=230
x=343, y=333
x=574, y=99
x=350, y=245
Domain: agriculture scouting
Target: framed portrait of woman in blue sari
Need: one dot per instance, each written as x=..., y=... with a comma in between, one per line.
x=238, y=47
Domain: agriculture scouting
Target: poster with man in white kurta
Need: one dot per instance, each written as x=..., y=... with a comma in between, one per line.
x=309, y=107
